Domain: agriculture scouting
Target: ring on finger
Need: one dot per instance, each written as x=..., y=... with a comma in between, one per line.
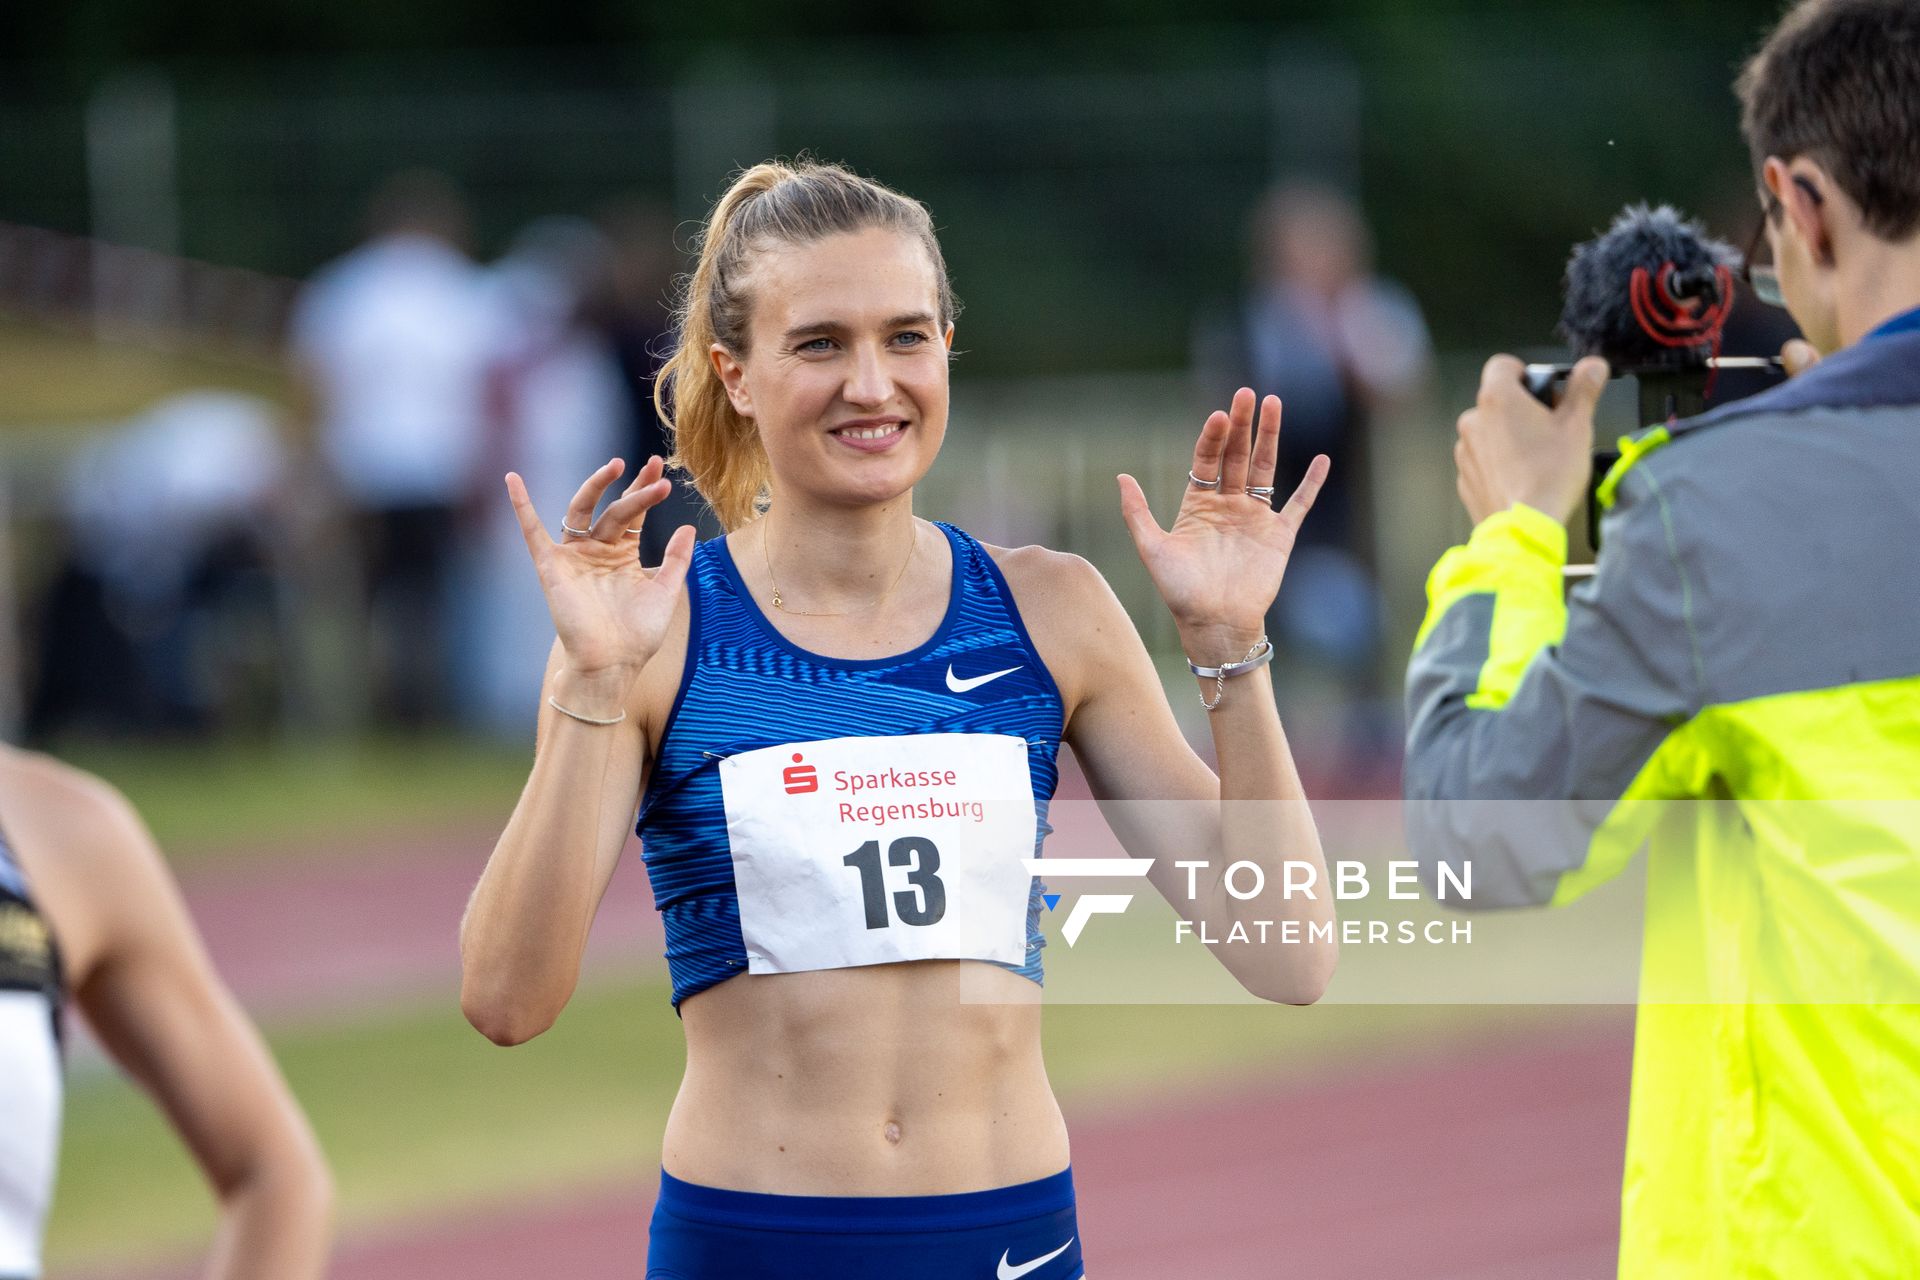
x=633, y=533
x=1198, y=483
x=570, y=531
x=1264, y=492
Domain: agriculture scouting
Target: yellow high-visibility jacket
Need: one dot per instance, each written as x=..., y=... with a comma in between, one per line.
x=1738, y=690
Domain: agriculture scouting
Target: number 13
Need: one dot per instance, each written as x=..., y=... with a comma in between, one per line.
x=917, y=852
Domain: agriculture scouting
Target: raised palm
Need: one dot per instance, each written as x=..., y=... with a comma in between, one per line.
x=1220, y=565
x=610, y=613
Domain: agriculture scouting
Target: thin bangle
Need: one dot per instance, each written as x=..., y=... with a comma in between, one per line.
x=575, y=715
x=1258, y=656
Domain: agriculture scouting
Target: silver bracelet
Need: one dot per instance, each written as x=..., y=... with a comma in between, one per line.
x=1258, y=656
x=575, y=715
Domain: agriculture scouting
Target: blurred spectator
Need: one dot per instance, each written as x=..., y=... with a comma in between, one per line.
x=636, y=315
x=164, y=615
x=1337, y=344
x=557, y=410
x=393, y=342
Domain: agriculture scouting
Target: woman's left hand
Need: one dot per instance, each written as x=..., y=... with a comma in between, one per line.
x=1219, y=567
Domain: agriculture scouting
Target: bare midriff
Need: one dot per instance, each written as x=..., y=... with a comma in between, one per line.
x=886, y=1080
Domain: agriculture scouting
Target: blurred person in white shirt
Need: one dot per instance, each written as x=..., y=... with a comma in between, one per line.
x=557, y=409
x=392, y=342
x=168, y=615
x=1340, y=344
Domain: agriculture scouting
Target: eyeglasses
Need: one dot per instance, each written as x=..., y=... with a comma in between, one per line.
x=1763, y=277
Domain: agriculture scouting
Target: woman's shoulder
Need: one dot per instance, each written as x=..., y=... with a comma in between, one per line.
x=87, y=856
x=1047, y=575
x=1067, y=607
x=42, y=793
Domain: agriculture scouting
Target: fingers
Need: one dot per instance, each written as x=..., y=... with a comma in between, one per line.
x=1307, y=490
x=1500, y=375
x=587, y=496
x=530, y=527
x=655, y=467
x=1798, y=356
x=1584, y=386
x=1134, y=510
x=679, y=554
x=1239, y=442
x=1209, y=448
x=1466, y=481
x=1469, y=482
x=1266, y=444
x=626, y=512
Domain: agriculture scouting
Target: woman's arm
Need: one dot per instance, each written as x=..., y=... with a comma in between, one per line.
x=1218, y=569
x=526, y=925
x=527, y=922
x=1161, y=799
x=140, y=975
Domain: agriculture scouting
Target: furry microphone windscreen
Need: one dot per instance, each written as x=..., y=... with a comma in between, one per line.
x=1599, y=315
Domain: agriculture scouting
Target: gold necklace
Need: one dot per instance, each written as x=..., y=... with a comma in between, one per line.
x=779, y=604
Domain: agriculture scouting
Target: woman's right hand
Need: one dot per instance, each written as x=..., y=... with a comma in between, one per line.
x=610, y=613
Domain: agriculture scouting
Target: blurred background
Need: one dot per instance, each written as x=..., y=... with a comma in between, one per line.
x=285, y=289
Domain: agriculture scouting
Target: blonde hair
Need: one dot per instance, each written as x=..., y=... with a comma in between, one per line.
x=770, y=204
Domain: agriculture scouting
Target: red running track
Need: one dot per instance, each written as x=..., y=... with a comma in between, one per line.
x=1499, y=1164
x=328, y=933
x=338, y=936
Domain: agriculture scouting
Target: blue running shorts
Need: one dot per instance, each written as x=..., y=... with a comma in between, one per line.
x=1024, y=1232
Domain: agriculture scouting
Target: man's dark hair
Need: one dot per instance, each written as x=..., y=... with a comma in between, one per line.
x=1839, y=81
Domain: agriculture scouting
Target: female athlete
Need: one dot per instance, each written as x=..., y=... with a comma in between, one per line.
x=89, y=914
x=840, y=724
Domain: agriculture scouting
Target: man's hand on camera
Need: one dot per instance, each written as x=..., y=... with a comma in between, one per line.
x=1798, y=356
x=1514, y=449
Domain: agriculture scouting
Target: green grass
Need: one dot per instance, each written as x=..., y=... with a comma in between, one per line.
x=418, y=1113
x=234, y=800
x=55, y=375
x=1111, y=1052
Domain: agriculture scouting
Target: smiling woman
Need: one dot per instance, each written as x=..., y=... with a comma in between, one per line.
x=864, y=1093
x=861, y=232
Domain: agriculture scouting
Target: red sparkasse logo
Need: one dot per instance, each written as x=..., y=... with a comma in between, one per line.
x=800, y=777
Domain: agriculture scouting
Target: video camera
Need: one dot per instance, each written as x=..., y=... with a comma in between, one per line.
x=1651, y=295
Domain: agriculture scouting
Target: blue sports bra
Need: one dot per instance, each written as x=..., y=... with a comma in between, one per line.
x=747, y=687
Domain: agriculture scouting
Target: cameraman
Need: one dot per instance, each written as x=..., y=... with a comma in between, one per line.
x=1752, y=637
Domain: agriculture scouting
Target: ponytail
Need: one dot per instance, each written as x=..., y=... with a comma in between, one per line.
x=770, y=204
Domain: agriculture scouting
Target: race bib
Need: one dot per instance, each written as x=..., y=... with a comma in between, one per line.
x=855, y=851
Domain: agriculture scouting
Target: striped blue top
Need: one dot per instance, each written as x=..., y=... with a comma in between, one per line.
x=745, y=686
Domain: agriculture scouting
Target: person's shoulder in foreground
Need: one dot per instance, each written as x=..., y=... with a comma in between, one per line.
x=134, y=965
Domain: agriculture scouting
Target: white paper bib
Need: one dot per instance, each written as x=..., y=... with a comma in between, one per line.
x=856, y=851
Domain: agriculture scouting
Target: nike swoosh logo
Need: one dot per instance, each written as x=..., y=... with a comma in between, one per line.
x=958, y=685
x=1009, y=1272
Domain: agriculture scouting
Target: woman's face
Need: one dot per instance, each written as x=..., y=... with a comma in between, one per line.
x=846, y=369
